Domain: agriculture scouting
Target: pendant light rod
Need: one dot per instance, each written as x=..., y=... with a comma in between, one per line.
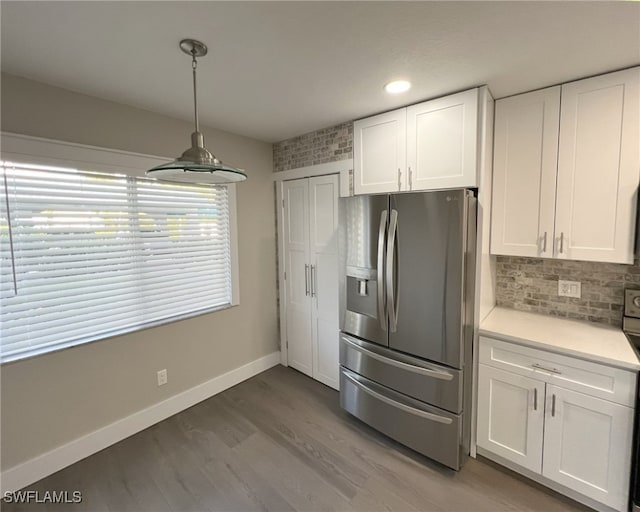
x=194, y=65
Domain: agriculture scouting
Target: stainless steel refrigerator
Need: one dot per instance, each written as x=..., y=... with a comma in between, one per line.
x=407, y=317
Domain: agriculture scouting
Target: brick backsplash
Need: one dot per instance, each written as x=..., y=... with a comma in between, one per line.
x=531, y=284
x=319, y=147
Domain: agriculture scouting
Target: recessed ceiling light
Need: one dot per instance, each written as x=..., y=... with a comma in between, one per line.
x=397, y=86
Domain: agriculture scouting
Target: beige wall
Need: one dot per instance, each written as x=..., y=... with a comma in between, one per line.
x=52, y=399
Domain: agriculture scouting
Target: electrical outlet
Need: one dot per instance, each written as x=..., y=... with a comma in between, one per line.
x=162, y=377
x=569, y=288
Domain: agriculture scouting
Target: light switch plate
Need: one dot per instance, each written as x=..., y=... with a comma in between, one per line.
x=569, y=289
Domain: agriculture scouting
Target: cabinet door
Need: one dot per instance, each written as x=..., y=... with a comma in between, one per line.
x=442, y=142
x=297, y=293
x=379, y=153
x=511, y=416
x=598, y=168
x=525, y=161
x=587, y=445
x=323, y=205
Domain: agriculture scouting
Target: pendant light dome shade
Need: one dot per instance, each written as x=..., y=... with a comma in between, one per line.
x=197, y=164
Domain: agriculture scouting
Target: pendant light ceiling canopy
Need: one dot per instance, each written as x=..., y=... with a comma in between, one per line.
x=197, y=164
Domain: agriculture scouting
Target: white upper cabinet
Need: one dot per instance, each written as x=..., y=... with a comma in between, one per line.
x=524, y=170
x=431, y=145
x=598, y=168
x=442, y=142
x=379, y=153
x=577, y=201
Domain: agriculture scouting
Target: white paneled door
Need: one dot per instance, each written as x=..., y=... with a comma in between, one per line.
x=599, y=168
x=442, y=142
x=511, y=416
x=587, y=445
x=323, y=223
x=524, y=173
x=379, y=153
x=297, y=268
x=311, y=269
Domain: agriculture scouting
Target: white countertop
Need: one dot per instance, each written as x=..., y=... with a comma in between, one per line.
x=595, y=342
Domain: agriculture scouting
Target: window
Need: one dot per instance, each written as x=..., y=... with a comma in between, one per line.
x=87, y=255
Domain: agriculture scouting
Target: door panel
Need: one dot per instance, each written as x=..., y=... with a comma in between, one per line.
x=511, y=416
x=588, y=445
x=297, y=297
x=379, y=153
x=363, y=315
x=598, y=168
x=441, y=142
x=430, y=271
x=524, y=173
x=323, y=207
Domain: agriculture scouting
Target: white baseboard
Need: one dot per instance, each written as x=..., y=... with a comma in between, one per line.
x=48, y=463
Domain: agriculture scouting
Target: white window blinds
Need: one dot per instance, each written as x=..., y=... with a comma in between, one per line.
x=86, y=255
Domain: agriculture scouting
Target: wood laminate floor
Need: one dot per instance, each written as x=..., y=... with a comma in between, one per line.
x=280, y=442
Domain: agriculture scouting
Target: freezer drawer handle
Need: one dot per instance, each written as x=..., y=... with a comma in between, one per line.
x=399, y=364
x=382, y=305
x=411, y=410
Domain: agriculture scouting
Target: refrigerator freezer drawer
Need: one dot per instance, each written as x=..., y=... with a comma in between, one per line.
x=425, y=429
x=427, y=382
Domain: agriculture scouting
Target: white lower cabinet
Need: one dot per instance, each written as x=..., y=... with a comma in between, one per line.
x=511, y=416
x=530, y=419
x=587, y=445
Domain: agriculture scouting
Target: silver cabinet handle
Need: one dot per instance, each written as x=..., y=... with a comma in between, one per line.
x=382, y=305
x=392, y=295
x=538, y=366
x=535, y=399
x=399, y=181
x=410, y=179
x=406, y=408
x=306, y=279
x=313, y=281
x=351, y=180
x=544, y=242
x=561, y=242
x=436, y=374
x=553, y=405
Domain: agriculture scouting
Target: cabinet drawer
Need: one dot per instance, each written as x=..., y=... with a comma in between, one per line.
x=587, y=377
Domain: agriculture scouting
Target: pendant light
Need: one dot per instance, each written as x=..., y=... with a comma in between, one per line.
x=197, y=164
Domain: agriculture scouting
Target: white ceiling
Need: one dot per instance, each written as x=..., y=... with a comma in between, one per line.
x=280, y=69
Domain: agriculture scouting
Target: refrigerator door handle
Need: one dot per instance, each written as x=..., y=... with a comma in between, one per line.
x=391, y=281
x=393, y=403
x=382, y=307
